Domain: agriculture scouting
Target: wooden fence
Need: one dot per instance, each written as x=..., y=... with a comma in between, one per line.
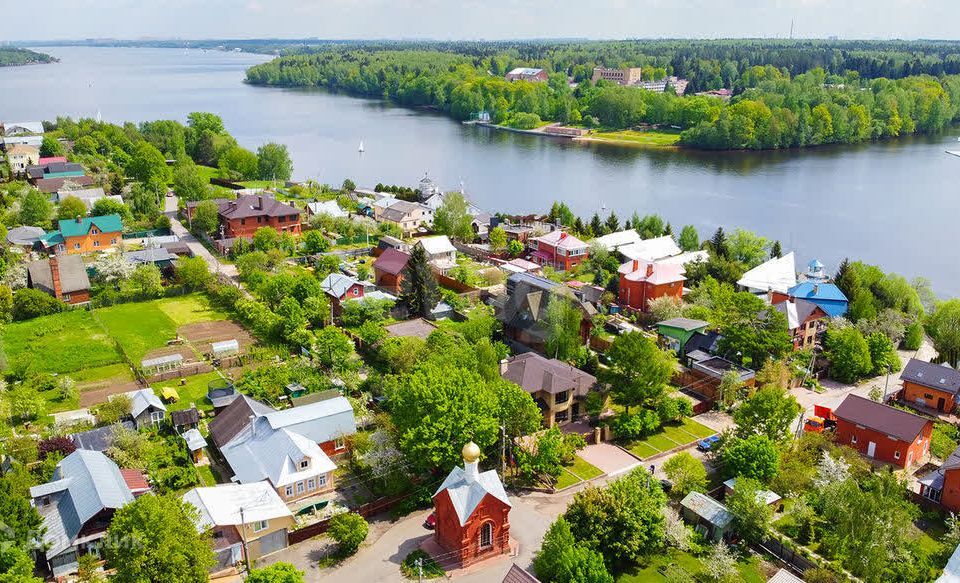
x=452, y=284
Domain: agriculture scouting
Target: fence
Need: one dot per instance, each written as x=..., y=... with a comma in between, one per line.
x=366, y=510
x=365, y=238
x=452, y=284
x=226, y=184
x=187, y=370
x=789, y=555
x=147, y=233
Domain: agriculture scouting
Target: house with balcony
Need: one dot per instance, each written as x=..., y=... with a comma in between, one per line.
x=559, y=249
x=440, y=252
x=22, y=156
x=806, y=322
x=85, y=235
x=557, y=388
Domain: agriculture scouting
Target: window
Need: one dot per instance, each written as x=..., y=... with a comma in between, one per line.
x=311, y=484
x=76, y=245
x=896, y=455
x=560, y=417
x=562, y=397
x=304, y=464
x=243, y=221
x=45, y=501
x=259, y=526
x=66, y=298
x=322, y=480
x=96, y=243
x=486, y=535
x=113, y=241
x=338, y=443
x=299, y=487
x=94, y=231
x=156, y=417
x=289, y=491
x=853, y=439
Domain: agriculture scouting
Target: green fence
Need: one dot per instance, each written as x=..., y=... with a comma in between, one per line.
x=353, y=240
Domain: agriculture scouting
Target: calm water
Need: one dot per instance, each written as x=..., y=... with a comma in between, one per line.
x=895, y=204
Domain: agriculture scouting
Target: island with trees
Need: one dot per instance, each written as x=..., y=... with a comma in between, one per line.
x=12, y=56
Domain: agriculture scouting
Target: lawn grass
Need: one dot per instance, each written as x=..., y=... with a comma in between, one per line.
x=658, y=139
x=207, y=477
x=114, y=373
x=669, y=437
x=192, y=393
x=577, y=472
x=60, y=343
x=138, y=327
x=190, y=309
x=748, y=568
x=260, y=183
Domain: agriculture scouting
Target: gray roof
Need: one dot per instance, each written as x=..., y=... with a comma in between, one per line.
x=166, y=359
x=337, y=284
x=275, y=455
x=185, y=417
x=935, y=376
x=84, y=483
x=24, y=235
x=322, y=421
x=466, y=495
x=194, y=439
x=99, y=439
x=149, y=255
x=234, y=418
x=879, y=417
x=143, y=400
x=535, y=373
x=708, y=509
x=684, y=324
x=73, y=274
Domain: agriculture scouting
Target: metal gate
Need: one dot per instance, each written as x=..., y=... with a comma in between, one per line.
x=272, y=542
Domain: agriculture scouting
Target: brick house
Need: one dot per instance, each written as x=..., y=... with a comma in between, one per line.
x=242, y=217
x=942, y=485
x=523, y=309
x=472, y=511
x=63, y=277
x=806, y=322
x=882, y=432
x=556, y=387
x=931, y=386
x=642, y=281
x=388, y=269
x=290, y=448
x=559, y=250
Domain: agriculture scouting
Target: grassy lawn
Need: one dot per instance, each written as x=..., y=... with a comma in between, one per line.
x=657, y=139
x=194, y=392
x=669, y=437
x=111, y=373
x=138, y=327
x=260, y=183
x=577, y=472
x=749, y=569
x=190, y=309
x=60, y=343
x=207, y=477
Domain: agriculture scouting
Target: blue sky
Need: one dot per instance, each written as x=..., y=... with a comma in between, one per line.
x=476, y=19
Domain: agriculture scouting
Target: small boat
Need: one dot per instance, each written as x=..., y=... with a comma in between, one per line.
x=360, y=149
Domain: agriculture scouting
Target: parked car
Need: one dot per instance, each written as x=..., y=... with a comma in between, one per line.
x=708, y=443
x=431, y=522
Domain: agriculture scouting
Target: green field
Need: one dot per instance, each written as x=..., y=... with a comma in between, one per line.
x=139, y=328
x=59, y=343
x=749, y=569
x=656, y=139
x=577, y=472
x=669, y=437
x=190, y=309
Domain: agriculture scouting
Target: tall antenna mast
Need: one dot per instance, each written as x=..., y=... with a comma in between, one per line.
x=791, y=29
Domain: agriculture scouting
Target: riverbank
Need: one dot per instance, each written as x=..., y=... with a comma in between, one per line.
x=630, y=138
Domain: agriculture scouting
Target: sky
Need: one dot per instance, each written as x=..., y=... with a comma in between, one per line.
x=480, y=19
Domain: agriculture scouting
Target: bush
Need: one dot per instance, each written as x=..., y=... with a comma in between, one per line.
x=431, y=570
x=524, y=121
x=31, y=303
x=630, y=426
x=349, y=529
x=276, y=573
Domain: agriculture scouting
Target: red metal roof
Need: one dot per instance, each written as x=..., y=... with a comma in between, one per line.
x=391, y=261
x=135, y=481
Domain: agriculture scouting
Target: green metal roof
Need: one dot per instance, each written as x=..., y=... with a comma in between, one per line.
x=106, y=224
x=51, y=238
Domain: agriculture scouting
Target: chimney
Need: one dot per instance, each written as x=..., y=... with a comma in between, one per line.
x=79, y=219
x=260, y=203
x=503, y=366
x=770, y=295
x=816, y=288
x=55, y=276
x=563, y=235
x=636, y=265
x=649, y=269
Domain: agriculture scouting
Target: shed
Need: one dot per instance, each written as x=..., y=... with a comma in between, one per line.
x=675, y=332
x=195, y=443
x=185, y=418
x=708, y=517
x=769, y=498
x=146, y=408
x=161, y=363
x=221, y=392
x=225, y=348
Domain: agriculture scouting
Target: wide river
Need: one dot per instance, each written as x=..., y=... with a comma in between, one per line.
x=896, y=204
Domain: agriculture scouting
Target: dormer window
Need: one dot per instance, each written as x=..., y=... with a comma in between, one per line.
x=94, y=231
x=305, y=464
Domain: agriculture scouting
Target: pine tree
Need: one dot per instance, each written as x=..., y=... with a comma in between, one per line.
x=596, y=225
x=668, y=230
x=776, y=251
x=579, y=227
x=419, y=288
x=719, y=243
x=613, y=223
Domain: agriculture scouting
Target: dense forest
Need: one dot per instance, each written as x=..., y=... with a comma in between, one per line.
x=10, y=56
x=806, y=93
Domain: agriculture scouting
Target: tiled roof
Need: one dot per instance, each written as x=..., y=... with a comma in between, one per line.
x=519, y=575
x=879, y=417
x=51, y=185
x=561, y=240
x=654, y=272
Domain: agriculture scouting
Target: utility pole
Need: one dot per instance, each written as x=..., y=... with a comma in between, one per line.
x=503, y=450
x=419, y=564
x=243, y=538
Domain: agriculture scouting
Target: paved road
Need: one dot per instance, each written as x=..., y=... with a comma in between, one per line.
x=178, y=229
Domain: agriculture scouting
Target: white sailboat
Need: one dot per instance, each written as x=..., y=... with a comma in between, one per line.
x=360, y=149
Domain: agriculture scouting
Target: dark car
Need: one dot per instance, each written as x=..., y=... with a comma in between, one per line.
x=431, y=522
x=708, y=443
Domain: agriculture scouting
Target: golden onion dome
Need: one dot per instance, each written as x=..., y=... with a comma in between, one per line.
x=471, y=452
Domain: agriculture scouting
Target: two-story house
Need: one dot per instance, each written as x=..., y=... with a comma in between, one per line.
x=22, y=156
x=85, y=234
x=388, y=269
x=556, y=387
x=440, y=252
x=642, y=281
x=559, y=250
x=242, y=217
x=524, y=307
x=234, y=513
x=930, y=386
x=408, y=216
x=78, y=504
x=289, y=448
x=806, y=322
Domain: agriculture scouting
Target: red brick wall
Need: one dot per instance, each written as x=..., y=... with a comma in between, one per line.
x=387, y=281
x=886, y=446
x=466, y=539
x=330, y=448
x=637, y=294
x=248, y=226
x=79, y=297
x=913, y=392
x=950, y=498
